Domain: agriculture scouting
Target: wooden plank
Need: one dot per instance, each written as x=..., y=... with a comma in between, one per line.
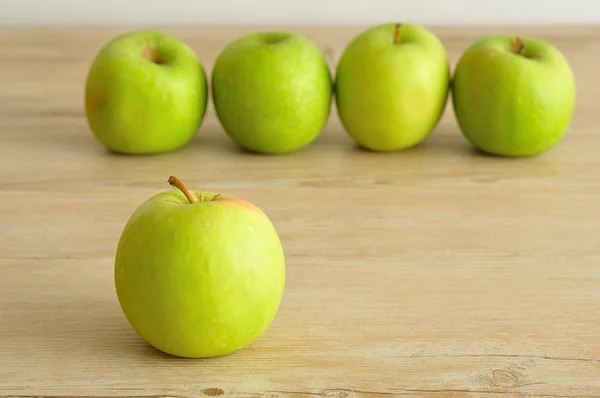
x=435, y=272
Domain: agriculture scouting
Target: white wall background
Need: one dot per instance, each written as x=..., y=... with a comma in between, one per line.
x=316, y=12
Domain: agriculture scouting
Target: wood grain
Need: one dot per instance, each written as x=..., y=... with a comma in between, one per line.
x=433, y=272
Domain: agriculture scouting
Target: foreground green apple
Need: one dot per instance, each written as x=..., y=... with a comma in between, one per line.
x=272, y=91
x=513, y=97
x=146, y=93
x=392, y=85
x=199, y=274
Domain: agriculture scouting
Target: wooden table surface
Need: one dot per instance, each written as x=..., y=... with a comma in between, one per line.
x=433, y=272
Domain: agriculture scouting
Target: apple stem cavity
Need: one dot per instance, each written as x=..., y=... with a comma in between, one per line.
x=397, y=33
x=517, y=46
x=176, y=182
x=151, y=55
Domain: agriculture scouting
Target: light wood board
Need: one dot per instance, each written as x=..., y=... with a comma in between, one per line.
x=432, y=272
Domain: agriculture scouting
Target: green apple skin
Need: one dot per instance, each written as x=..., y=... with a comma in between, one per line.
x=199, y=280
x=513, y=105
x=272, y=91
x=146, y=93
x=391, y=95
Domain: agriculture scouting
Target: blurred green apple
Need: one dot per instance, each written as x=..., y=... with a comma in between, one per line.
x=513, y=97
x=392, y=85
x=272, y=91
x=199, y=274
x=146, y=93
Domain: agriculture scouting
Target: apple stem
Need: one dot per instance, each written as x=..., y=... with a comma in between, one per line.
x=397, y=33
x=176, y=182
x=517, y=46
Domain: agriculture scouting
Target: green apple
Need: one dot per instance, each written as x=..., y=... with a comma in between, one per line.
x=391, y=87
x=272, y=91
x=199, y=274
x=146, y=93
x=513, y=97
